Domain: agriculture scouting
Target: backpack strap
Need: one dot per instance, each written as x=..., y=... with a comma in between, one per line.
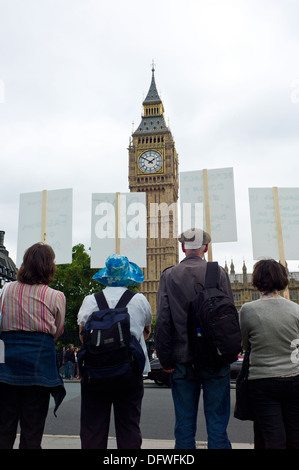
x=212, y=274
x=123, y=301
x=125, y=298
x=101, y=300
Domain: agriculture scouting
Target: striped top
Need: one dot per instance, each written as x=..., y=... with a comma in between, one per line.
x=34, y=307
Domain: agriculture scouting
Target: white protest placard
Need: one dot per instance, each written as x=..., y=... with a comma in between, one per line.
x=218, y=195
x=118, y=225
x=265, y=232
x=2, y=92
x=58, y=218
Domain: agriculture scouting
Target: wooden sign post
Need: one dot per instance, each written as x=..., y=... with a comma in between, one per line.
x=117, y=224
x=207, y=210
x=44, y=216
x=279, y=234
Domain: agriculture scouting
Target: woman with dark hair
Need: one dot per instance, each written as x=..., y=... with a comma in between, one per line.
x=270, y=331
x=32, y=319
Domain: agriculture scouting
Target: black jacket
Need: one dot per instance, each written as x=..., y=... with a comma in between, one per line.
x=69, y=355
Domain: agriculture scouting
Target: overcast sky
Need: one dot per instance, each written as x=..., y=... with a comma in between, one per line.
x=74, y=73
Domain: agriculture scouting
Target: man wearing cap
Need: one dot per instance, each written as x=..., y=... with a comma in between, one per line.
x=176, y=290
x=125, y=393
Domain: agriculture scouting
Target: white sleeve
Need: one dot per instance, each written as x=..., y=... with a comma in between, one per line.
x=88, y=306
x=144, y=305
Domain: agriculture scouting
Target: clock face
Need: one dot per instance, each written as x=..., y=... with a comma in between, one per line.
x=150, y=161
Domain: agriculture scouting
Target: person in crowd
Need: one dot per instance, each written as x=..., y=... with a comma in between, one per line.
x=126, y=391
x=69, y=359
x=33, y=317
x=62, y=361
x=60, y=353
x=75, y=371
x=270, y=331
x=176, y=290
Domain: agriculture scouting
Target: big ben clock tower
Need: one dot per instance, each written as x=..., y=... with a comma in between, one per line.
x=153, y=169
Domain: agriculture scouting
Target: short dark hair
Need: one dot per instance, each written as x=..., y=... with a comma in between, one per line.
x=269, y=275
x=38, y=265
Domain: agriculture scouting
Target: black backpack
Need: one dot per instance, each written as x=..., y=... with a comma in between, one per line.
x=109, y=349
x=213, y=324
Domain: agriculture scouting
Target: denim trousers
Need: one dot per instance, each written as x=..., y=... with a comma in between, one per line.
x=275, y=402
x=186, y=387
x=68, y=370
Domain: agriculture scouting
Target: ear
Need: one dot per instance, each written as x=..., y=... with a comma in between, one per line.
x=183, y=248
x=206, y=248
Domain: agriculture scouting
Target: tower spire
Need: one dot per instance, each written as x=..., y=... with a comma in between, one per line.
x=152, y=96
x=152, y=108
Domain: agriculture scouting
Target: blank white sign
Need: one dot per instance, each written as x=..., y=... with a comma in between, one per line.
x=221, y=200
x=59, y=223
x=263, y=222
x=132, y=227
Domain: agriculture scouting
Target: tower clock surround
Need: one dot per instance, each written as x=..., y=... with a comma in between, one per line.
x=150, y=161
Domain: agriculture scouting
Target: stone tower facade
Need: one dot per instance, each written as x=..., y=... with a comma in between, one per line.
x=153, y=169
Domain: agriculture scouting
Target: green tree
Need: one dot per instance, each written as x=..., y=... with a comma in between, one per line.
x=75, y=281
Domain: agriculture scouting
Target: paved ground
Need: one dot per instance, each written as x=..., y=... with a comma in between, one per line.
x=73, y=442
